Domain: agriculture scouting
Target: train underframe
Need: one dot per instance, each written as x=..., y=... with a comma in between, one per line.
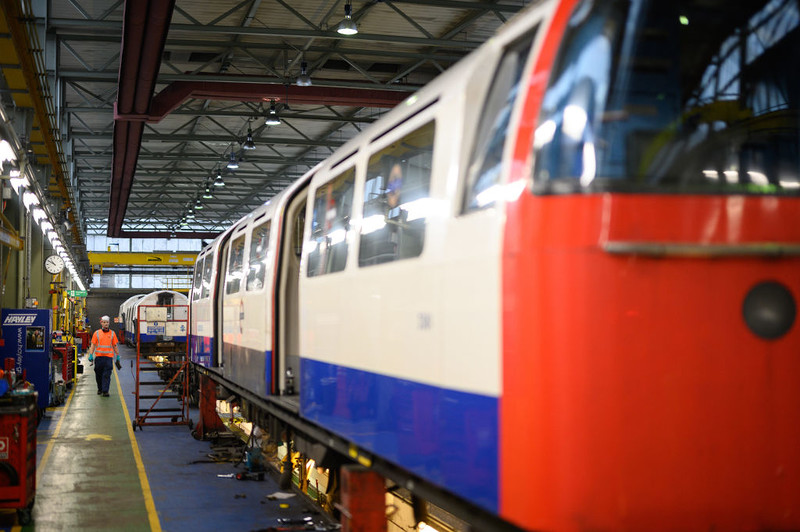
x=280, y=417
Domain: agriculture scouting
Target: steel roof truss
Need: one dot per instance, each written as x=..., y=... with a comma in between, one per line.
x=410, y=20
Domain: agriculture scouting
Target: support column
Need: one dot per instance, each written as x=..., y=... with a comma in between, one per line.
x=363, y=500
x=208, y=420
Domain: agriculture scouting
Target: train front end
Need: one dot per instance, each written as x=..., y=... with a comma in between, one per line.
x=651, y=272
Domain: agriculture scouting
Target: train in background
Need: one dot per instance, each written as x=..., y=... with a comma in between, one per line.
x=176, y=305
x=559, y=282
x=126, y=315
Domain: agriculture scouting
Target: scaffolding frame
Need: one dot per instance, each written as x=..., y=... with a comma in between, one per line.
x=171, y=365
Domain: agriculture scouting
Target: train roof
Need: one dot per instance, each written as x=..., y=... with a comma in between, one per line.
x=183, y=298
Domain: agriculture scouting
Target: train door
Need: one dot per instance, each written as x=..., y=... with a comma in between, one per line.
x=165, y=299
x=209, y=312
x=196, y=343
x=216, y=302
x=221, y=327
x=255, y=367
x=243, y=331
x=288, y=315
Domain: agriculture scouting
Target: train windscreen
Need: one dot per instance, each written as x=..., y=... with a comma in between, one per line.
x=676, y=97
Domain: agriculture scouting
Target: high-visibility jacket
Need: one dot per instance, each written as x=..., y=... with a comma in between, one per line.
x=104, y=343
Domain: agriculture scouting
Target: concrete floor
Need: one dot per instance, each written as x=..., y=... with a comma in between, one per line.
x=90, y=477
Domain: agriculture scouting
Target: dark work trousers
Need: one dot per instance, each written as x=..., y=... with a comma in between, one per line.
x=102, y=370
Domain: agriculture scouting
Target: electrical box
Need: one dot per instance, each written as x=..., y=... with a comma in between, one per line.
x=27, y=336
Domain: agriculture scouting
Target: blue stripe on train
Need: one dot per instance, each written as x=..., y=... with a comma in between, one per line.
x=268, y=371
x=201, y=349
x=159, y=338
x=445, y=436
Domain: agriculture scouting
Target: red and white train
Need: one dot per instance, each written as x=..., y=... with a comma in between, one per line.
x=131, y=314
x=560, y=282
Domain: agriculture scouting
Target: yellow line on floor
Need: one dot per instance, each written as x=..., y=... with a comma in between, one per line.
x=53, y=438
x=155, y=525
x=49, y=448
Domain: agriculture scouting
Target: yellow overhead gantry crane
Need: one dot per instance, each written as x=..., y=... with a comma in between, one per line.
x=99, y=260
x=115, y=258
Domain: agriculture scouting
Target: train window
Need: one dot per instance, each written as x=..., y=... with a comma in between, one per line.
x=299, y=224
x=233, y=277
x=397, y=198
x=208, y=266
x=483, y=174
x=673, y=97
x=198, y=280
x=257, y=265
x=330, y=223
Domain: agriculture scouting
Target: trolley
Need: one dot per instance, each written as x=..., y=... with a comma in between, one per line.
x=18, y=452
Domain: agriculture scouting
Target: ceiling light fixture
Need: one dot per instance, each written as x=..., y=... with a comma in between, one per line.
x=14, y=171
x=348, y=26
x=272, y=117
x=29, y=199
x=207, y=194
x=249, y=144
x=38, y=214
x=17, y=180
x=218, y=182
x=198, y=205
x=303, y=80
x=233, y=163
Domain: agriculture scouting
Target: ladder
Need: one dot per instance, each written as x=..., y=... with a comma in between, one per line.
x=162, y=366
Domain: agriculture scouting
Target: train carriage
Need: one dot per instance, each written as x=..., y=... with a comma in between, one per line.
x=560, y=281
x=203, y=311
x=233, y=302
x=177, y=311
x=126, y=316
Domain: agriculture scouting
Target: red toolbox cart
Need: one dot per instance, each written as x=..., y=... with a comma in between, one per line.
x=18, y=453
x=63, y=356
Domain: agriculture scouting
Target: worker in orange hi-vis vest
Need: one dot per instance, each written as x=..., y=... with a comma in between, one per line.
x=104, y=345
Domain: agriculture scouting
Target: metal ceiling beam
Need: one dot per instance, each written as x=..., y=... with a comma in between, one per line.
x=176, y=93
x=143, y=36
x=244, y=114
x=224, y=63
x=139, y=62
x=108, y=26
x=194, y=45
x=38, y=90
x=204, y=157
x=111, y=77
x=205, y=235
x=140, y=165
x=165, y=137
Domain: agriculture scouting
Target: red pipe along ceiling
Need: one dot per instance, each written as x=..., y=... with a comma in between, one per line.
x=144, y=33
